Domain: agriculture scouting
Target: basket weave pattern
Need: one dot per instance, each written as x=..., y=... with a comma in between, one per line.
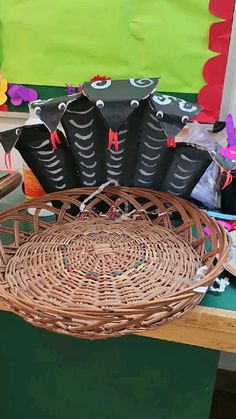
x=95, y=275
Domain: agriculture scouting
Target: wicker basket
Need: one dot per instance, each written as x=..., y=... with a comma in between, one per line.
x=131, y=260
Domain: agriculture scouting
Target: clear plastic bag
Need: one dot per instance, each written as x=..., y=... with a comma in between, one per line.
x=208, y=190
x=199, y=135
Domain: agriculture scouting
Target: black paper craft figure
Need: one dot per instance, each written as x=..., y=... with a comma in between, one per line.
x=115, y=130
x=8, y=139
x=55, y=169
x=87, y=136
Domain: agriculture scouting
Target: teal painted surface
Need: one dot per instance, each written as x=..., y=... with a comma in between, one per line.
x=48, y=376
x=14, y=198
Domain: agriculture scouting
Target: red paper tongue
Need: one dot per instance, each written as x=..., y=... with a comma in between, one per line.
x=7, y=159
x=54, y=139
x=170, y=142
x=228, y=179
x=113, y=139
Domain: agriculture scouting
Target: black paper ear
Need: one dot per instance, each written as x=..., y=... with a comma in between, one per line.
x=51, y=111
x=9, y=138
x=173, y=113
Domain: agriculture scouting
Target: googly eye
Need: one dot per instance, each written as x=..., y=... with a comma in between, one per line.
x=185, y=119
x=62, y=106
x=100, y=104
x=37, y=110
x=134, y=103
x=159, y=115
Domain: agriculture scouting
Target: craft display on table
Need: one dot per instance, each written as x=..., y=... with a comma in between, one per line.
x=142, y=262
x=117, y=261
x=113, y=129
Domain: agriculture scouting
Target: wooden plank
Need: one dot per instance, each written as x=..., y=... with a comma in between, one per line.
x=203, y=326
x=9, y=183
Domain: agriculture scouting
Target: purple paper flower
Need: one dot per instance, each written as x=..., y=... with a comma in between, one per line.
x=19, y=94
x=80, y=88
x=70, y=89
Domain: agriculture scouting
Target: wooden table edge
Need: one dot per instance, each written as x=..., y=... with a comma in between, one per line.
x=9, y=184
x=207, y=327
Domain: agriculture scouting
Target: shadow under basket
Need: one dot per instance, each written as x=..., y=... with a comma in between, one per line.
x=129, y=260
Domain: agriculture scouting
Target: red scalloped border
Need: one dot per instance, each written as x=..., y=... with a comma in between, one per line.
x=209, y=97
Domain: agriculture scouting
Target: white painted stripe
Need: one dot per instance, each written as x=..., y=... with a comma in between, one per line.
x=178, y=187
x=57, y=179
x=89, y=166
x=146, y=173
x=52, y=164
x=84, y=137
x=87, y=156
x=154, y=127
x=150, y=158
x=47, y=160
x=84, y=147
x=72, y=122
x=54, y=172
x=88, y=174
x=151, y=147
x=45, y=153
x=41, y=145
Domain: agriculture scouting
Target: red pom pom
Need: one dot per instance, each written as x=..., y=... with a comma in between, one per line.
x=95, y=78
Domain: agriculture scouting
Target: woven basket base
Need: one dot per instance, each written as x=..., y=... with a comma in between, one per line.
x=101, y=264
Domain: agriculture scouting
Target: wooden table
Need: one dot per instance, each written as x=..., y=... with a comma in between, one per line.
x=9, y=183
x=150, y=376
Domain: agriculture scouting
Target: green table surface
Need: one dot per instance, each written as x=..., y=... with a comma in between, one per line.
x=49, y=376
